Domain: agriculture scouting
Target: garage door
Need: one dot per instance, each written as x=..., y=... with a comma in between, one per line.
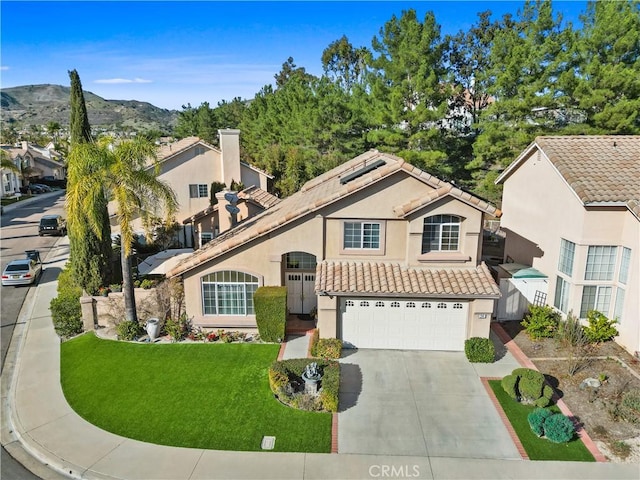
x=403, y=324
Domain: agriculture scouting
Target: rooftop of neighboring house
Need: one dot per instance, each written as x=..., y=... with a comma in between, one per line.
x=334, y=185
x=601, y=169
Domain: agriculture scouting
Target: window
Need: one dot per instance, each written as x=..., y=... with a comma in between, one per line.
x=350, y=303
x=601, y=261
x=410, y=305
x=395, y=304
x=617, y=310
x=426, y=305
x=361, y=235
x=567, y=251
x=198, y=151
x=595, y=297
x=198, y=190
x=624, y=265
x=228, y=293
x=440, y=233
x=442, y=305
x=300, y=261
x=562, y=294
x=379, y=304
x=364, y=304
x=457, y=306
x=205, y=237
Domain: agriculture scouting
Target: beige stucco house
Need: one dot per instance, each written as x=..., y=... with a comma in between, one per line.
x=571, y=209
x=190, y=166
x=386, y=254
x=34, y=163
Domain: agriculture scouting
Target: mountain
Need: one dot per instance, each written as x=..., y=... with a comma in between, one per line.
x=41, y=104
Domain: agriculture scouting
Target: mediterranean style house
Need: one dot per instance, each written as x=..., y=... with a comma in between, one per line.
x=190, y=166
x=387, y=255
x=34, y=163
x=572, y=211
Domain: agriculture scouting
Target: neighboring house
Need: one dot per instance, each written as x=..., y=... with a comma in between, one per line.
x=37, y=162
x=11, y=179
x=386, y=254
x=572, y=211
x=207, y=224
x=190, y=166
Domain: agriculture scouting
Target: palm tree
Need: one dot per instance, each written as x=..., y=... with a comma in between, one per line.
x=122, y=171
x=6, y=163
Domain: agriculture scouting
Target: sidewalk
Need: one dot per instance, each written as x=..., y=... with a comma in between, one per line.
x=37, y=417
x=27, y=201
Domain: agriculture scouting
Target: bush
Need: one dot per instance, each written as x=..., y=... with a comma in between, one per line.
x=600, y=328
x=541, y=322
x=147, y=283
x=536, y=420
x=558, y=428
x=128, y=330
x=631, y=399
x=509, y=384
x=313, y=343
x=65, y=308
x=270, y=305
x=284, y=373
x=329, y=348
x=479, y=350
x=528, y=386
x=177, y=329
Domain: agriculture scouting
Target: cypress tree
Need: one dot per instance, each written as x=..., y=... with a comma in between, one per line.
x=89, y=250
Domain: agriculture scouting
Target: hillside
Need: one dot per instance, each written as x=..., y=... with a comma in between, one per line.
x=41, y=104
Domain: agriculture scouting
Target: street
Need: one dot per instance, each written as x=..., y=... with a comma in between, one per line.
x=19, y=232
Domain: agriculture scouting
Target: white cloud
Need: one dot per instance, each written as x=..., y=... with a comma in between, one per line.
x=4, y=68
x=122, y=80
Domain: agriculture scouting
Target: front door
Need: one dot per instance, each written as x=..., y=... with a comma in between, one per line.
x=301, y=297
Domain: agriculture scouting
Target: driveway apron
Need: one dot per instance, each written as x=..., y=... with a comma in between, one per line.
x=420, y=403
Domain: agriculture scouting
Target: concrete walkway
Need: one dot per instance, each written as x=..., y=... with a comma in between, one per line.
x=36, y=417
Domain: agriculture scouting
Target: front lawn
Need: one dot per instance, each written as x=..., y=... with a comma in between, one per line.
x=213, y=396
x=538, y=448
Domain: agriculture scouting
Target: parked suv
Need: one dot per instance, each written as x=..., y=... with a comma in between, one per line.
x=52, y=225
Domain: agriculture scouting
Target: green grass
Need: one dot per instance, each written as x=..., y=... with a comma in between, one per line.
x=213, y=396
x=538, y=448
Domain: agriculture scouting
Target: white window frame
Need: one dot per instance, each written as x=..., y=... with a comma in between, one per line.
x=361, y=248
x=601, y=262
x=625, y=261
x=565, y=259
x=601, y=300
x=618, y=307
x=205, y=237
x=561, y=299
x=198, y=190
x=247, y=288
x=441, y=225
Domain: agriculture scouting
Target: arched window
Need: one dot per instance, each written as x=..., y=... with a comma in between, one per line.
x=364, y=304
x=379, y=304
x=299, y=261
x=441, y=233
x=228, y=293
x=410, y=305
x=442, y=305
x=426, y=305
x=395, y=304
x=457, y=306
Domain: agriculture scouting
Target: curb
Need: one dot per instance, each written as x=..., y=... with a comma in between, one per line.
x=22, y=203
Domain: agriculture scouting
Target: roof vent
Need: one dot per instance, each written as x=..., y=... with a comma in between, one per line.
x=362, y=171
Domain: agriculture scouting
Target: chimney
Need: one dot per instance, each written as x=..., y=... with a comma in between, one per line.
x=25, y=145
x=230, y=148
x=227, y=210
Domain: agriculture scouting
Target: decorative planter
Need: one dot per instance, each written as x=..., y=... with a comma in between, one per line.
x=153, y=328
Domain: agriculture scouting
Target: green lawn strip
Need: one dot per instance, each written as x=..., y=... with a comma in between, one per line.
x=538, y=448
x=213, y=396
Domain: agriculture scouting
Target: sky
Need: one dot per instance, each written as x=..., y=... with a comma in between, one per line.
x=174, y=53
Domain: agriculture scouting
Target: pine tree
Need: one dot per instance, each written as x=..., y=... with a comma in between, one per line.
x=90, y=248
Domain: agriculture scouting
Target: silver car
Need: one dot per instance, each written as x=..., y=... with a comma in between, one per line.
x=21, y=272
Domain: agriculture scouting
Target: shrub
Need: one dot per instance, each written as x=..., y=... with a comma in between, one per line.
x=479, y=350
x=177, y=329
x=147, y=283
x=558, y=428
x=536, y=420
x=65, y=308
x=313, y=343
x=329, y=348
x=270, y=305
x=541, y=322
x=528, y=386
x=631, y=399
x=128, y=330
x=509, y=385
x=600, y=328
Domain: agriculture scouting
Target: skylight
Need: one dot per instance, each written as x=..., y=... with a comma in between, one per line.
x=362, y=171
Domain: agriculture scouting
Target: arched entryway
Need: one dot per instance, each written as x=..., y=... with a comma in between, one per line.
x=300, y=279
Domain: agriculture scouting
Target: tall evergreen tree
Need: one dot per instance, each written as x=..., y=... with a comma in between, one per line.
x=89, y=245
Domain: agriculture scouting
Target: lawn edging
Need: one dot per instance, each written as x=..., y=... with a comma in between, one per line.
x=519, y=355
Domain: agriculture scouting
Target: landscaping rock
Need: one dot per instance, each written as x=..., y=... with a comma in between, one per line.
x=590, y=382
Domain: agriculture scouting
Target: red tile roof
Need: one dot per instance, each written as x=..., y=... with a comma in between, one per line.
x=384, y=278
x=316, y=194
x=600, y=169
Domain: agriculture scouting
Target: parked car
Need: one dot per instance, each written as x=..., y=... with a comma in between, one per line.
x=34, y=188
x=52, y=225
x=44, y=187
x=21, y=272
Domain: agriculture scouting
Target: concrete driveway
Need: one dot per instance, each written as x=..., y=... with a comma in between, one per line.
x=395, y=402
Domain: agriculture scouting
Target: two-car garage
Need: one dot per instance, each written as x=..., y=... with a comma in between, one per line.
x=404, y=324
